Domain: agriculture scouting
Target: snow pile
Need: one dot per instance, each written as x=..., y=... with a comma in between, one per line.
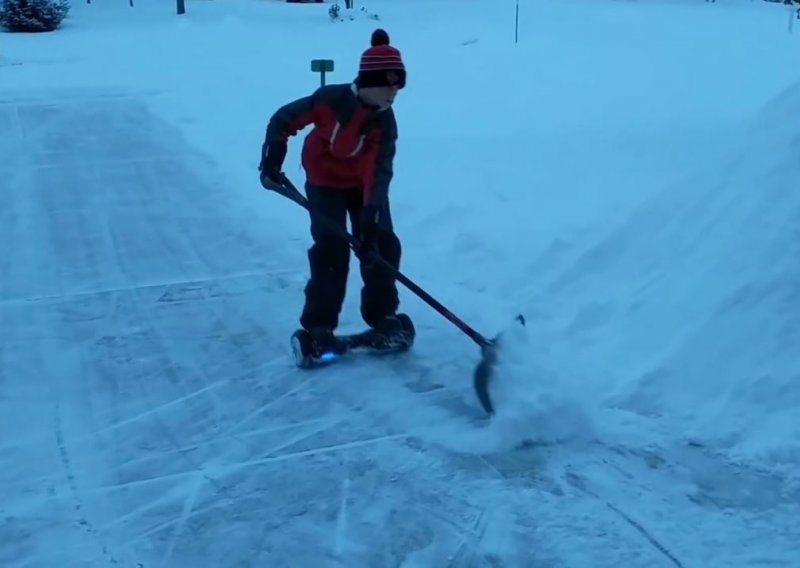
x=690, y=308
x=536, y=399
x=535, y=396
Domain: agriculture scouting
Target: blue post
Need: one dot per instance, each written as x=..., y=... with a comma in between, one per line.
x=516, y=25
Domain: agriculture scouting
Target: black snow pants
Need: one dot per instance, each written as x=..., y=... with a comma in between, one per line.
x=329, y=260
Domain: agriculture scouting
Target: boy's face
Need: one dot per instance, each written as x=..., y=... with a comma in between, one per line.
x=382, y=97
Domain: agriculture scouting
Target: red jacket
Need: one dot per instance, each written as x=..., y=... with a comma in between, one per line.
x=351, y=145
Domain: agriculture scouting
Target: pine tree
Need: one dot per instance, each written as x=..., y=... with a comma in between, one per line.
x=33, y=15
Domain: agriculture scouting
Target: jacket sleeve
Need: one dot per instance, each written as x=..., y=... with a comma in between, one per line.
x=380, y=165
x=290, y=119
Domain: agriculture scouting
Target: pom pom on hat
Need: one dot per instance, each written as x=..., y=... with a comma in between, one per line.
x=381, y=65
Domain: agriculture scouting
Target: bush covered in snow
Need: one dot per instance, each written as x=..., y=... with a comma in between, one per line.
x=336, y=13
x=33, y=15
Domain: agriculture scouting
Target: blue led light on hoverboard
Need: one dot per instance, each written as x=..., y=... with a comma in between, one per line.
x=327, y=356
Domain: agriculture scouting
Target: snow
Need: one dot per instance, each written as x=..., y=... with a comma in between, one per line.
x=625, y=177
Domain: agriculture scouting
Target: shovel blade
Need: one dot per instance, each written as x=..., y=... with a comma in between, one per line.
x=484, y=372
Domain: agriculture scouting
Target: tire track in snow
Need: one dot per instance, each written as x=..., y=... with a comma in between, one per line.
x=580, y=483
x=188, y=506
x=341, y=519
x=80, y=509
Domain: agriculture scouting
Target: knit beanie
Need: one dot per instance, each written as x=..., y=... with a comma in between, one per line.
x=381, y=64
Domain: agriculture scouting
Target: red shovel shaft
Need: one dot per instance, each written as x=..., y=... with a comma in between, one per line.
x=293, y=194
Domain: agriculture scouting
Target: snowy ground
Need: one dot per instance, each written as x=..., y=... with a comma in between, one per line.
x=625, y=176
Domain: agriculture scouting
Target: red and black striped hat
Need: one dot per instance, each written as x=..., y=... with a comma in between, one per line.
x=381, y=65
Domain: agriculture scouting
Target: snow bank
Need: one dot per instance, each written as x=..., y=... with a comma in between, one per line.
x=688, y=312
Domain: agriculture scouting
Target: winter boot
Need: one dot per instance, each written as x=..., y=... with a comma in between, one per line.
x=324, y=341
x=391, y=334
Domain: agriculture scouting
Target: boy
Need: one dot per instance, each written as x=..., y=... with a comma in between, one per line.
x=348, y=158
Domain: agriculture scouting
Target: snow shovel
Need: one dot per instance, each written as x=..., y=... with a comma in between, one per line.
x=484, y=371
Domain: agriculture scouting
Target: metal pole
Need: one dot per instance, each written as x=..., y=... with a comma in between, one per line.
x=516, y=25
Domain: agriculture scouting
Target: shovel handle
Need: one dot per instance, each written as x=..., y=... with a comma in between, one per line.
x=291, y=192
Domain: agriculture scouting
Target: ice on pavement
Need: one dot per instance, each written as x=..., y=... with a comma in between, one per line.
x=637, y=205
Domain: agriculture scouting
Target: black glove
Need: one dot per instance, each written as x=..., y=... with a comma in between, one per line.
x=369, y=225
x=272, y=157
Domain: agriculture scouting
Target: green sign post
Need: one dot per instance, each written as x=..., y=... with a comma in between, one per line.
x=322, y=66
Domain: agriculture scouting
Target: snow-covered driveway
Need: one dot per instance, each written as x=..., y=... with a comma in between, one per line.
x=150, y=414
